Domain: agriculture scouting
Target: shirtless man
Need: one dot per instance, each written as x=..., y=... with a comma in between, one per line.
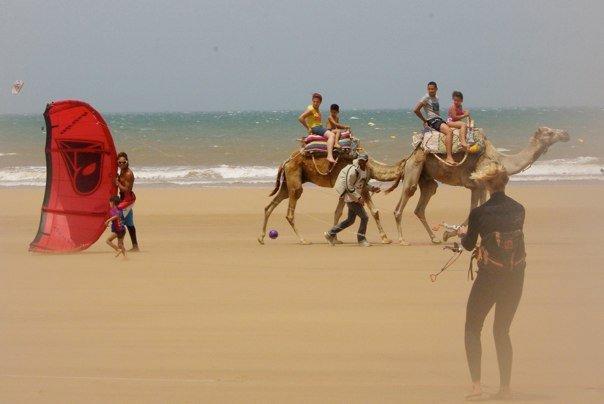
x=125, y=181
x=429, y=103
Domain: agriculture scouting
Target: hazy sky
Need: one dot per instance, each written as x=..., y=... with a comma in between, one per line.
x=265, y=55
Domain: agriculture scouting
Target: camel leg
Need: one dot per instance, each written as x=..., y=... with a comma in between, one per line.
x=338, y=212
x=376, y=215
x=268, y=210
x=427, y=188
x=477, y=195
x=294, y=195
x=409, y=188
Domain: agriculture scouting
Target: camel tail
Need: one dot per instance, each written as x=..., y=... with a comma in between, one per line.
x=278, y=180
x=396, y=182
x=398, y=179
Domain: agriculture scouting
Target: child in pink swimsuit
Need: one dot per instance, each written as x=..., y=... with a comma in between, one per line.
x=456, y=111
x=455, y=115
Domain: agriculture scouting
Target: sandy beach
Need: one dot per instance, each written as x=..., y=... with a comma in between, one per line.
x=205, y=314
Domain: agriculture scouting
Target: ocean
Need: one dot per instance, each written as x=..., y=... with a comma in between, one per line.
x=245, y=148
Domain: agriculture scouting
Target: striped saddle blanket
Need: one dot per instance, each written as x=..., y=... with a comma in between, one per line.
x=434, y=142
x=348, y=147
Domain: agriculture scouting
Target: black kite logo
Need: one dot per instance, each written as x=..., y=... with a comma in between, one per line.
x=84, y=161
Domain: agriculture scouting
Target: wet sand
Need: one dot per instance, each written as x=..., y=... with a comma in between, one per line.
x=205, y=314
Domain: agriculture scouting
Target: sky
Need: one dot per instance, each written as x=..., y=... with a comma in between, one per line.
x=148, y=56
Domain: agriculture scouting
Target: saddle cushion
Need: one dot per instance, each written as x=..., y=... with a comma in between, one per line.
x=319, y=148
x=434, y=142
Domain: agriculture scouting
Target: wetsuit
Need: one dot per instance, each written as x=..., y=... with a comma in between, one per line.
x=495, y=284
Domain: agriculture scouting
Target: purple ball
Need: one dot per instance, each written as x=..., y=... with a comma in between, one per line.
x=273, y=234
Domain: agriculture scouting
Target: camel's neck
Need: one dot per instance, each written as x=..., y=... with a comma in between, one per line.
x=384, y=172
x=517, y=162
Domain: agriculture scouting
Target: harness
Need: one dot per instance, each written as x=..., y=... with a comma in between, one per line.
x=509, y=245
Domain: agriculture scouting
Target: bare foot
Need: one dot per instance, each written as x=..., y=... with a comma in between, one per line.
x=504, y=394
x=450, y=160
x=476, y=393
x=331, y=159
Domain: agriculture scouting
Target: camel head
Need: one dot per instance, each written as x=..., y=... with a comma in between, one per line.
x=548, y=136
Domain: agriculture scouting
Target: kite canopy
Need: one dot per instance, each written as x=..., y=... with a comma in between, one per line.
x=17, y=86
x=81, y=165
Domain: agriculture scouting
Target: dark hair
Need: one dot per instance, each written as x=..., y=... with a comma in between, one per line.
x=334, y=107
x=317, y=95
x=115, y=199
x=457, y=94
x=432, y=83
x=122, y=154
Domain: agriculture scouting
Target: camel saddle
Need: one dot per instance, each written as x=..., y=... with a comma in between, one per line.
x=348, y=148
x=434, y=142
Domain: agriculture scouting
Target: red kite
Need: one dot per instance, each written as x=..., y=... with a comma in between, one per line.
x=81, y=165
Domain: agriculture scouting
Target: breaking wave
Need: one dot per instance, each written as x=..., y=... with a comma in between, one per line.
x=577, y=169
x=169, y=175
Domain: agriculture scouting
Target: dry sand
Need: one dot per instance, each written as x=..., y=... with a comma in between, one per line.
x=205, y=314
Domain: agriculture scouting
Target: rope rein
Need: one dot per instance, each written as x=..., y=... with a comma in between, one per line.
x=330, y=170
x=451, y=164
x=457, y=251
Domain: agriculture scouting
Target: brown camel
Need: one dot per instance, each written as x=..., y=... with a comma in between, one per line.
x=299, y=169
x=423, y=170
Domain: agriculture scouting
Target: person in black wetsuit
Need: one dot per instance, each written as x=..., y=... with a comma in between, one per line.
x=501, y=264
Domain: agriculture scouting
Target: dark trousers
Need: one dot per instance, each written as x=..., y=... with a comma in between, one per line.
x=354, y=209
x=502, y=289
x=132, y=232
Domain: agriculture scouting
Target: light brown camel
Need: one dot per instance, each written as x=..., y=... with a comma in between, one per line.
x=423, y=170
x=299, y=169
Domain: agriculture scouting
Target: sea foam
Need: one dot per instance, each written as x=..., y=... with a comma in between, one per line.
x=169, y=175
x=577, y=169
